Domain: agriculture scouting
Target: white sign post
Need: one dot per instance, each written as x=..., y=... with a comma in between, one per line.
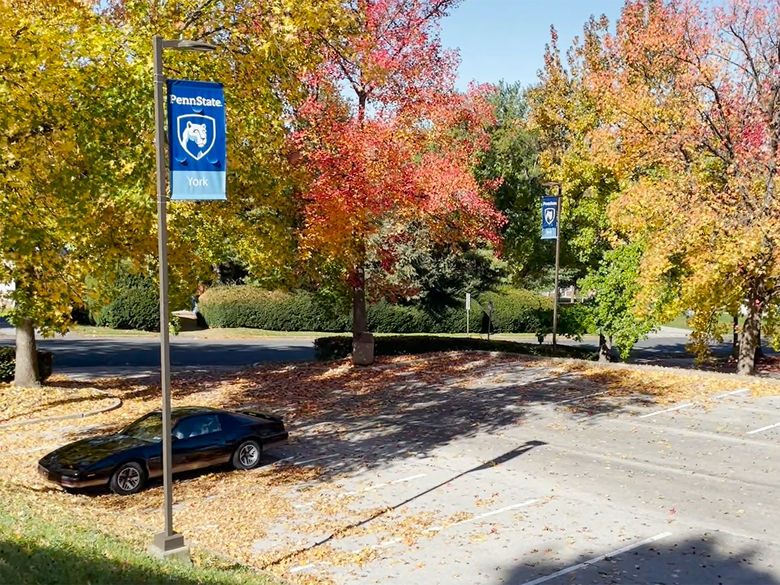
x=468, y=308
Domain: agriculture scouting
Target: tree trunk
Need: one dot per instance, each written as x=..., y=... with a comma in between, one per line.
x=605, y=348
x=26, y=369
x=735, y=337
x=751, y=328
x=759, y=351
x=362, y=340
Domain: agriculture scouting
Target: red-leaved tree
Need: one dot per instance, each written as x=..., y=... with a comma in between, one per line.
x=390, y=144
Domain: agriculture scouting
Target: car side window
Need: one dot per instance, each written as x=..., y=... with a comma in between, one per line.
x=195, y=426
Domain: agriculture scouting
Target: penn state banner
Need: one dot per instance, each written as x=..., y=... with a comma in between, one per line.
x=549, y=218
x=196, y=139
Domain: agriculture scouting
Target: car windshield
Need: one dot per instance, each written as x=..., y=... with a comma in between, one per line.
x=148, y=428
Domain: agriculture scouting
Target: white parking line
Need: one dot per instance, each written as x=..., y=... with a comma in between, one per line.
x=597, y=559
x=581, y=397
x=302, y=568
x=657, y=412
x=494, y=512
x=485, y=515
x=766, y=428
x=402, y=480
x=381, y=485
x=316, y=459
x=725, y=394
x=285, y=459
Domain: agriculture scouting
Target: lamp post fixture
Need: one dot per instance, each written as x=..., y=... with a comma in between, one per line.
x=557, y=258
x=168, y=543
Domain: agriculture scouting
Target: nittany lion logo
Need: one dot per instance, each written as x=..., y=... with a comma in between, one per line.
x=549, y=216
x=197, y=134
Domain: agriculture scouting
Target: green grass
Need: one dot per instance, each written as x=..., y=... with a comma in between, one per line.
x=681, y=322
x=47, y=546
x=216, y=333
x=244, y=332
x=95, y=331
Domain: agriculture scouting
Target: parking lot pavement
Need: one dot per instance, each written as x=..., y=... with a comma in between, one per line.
x=575, y=491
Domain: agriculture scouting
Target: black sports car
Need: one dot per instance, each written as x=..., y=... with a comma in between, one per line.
x=202, y=437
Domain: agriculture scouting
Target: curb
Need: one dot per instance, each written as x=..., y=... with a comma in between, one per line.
x=117, y=403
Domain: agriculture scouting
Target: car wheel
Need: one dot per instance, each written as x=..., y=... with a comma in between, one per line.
x=128, y=479
x=247, y=456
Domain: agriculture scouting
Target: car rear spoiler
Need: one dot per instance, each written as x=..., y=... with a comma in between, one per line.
x=260, y=414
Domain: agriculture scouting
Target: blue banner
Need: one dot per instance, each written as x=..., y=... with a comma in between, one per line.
x=549, y=218
x=196, y=139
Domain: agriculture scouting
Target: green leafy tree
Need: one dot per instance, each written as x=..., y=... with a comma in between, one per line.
x=512, y=160
x=613, y=308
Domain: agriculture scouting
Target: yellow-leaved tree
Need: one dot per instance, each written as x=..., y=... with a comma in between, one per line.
x=77, y=189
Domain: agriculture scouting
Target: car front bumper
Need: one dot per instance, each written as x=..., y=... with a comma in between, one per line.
x=70, y=481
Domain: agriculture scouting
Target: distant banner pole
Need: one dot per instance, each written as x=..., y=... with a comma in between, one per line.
x=551, y=211
x=557, y=262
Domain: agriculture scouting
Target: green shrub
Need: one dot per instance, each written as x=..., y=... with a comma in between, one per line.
x=574, y=320
x=340, y=346
x=515, y=311
x=135, y=305
x=384, y=317
x=518, y=311
x=251, y=306
x=453, y=320
x=8, y=364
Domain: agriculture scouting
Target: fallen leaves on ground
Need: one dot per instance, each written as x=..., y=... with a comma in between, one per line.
x=22, y=404
x=282, y=515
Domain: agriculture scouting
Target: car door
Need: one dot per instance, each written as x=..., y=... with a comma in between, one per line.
x=198, y=441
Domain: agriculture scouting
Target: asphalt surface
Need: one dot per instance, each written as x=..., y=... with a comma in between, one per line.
x=75, y=352
x=499, y=487
x=83, y=356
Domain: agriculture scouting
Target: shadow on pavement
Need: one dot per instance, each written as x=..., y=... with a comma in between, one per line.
x=368, y=416
x=705, y=560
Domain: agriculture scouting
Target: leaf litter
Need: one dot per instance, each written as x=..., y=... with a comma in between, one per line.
x=275, y=517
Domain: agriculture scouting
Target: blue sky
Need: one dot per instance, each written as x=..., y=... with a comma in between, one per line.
x=504, y=39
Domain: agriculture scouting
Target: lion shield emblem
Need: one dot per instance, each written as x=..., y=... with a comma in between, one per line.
x=196, y=134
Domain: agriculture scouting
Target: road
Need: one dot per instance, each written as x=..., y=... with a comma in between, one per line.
x=111, y=356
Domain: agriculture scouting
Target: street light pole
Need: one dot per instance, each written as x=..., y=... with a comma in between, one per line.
x=557, y=260
x=167, y=543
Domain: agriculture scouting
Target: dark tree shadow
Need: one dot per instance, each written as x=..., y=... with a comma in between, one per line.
x=705, y=560
x=38, y=562
x=359, y=418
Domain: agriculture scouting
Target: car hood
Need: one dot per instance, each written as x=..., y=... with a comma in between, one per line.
x=86, y=452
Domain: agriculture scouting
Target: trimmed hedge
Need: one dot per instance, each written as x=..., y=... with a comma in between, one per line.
x=340, y=346
x=136, y=305
x=514, y=311
x=8, y=364
x=250, y=306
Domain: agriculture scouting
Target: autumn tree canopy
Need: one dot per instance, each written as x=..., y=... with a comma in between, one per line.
x=390, y=145
x=685, y=114
x=77, y=190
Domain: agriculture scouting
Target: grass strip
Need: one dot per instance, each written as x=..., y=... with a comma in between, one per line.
x=42, y=543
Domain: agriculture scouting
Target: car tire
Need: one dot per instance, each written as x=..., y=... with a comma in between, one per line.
x=127, y=479
x=247, y=455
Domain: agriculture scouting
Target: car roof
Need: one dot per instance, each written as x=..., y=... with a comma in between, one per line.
x=182, y=411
